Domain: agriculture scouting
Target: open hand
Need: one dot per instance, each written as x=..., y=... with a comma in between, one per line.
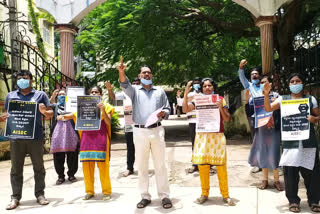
x=108, y=85
x=188, y=87
x=312, y=119
x=267, y=88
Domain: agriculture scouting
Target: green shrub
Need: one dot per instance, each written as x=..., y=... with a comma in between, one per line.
x=115, y=124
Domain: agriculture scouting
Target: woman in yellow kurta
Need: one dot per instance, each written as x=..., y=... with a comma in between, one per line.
x=210, y=147
x=95, y=148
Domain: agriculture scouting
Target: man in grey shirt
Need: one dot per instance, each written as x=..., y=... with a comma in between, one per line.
x=146, y=99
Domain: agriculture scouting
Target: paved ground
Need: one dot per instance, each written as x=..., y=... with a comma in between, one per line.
x=184, y=187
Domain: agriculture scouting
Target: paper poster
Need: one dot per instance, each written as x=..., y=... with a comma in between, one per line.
x=22, y=119
x=88, y=114
x=294, y=123
x=71, y=98
x=261, y=116
x=207, y=113
x=153, y=118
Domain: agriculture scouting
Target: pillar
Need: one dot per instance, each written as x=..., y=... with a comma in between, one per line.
x=265, y=24
x=67, y=32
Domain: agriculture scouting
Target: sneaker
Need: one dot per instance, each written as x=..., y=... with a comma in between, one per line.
x=255, y=169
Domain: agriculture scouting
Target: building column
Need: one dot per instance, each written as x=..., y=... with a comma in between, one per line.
x=265, y=23
x=67, y=32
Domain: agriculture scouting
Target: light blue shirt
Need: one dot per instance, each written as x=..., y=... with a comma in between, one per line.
x=145, y=102
x=255, y=90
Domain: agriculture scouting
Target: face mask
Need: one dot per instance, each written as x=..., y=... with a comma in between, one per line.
x=146, y=82
x=23, y=83
x=255, y=81
x=296, y=89
x=196, y=87
x=61, y=100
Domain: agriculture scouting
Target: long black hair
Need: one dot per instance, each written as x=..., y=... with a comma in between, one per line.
x=211, y=81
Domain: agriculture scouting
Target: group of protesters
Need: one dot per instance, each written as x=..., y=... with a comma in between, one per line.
x=208, y=148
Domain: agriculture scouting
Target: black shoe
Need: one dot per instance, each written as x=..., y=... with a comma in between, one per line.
x=72, y=179
x=60, y=181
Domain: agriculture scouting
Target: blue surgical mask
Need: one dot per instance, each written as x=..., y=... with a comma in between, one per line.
x=256, y=81
x=296, y=89
x=61, y=100
x=23, y=83
x=146, y=82
x=196, y=87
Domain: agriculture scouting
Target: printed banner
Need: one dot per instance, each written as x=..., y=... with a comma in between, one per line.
x=88, y=114
x=128, y=122
x=71, y=98
x=22, y=119
x=260, y=115
x=294, y=123
x=207, y=113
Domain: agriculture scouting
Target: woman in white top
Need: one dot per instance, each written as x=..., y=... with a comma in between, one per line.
x=300, y=155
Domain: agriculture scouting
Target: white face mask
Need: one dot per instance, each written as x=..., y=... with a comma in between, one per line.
x=146, y=82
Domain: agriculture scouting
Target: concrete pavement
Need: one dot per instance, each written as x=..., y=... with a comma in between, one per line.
x=184, y=187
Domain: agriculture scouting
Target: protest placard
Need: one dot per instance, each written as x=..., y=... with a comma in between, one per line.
x=21, y=121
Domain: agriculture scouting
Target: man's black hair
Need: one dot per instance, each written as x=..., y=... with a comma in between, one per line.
x=136, y=79
x=24, y=73
x=197, y=79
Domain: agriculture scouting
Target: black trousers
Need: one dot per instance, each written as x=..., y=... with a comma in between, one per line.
x=192, y=133
x=252, y=129
x=311, y=181
x=130, y=150
x=18, y=151
x=72, y=162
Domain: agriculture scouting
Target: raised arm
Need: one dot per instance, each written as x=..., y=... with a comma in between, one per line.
x=186, y=107
x=242, y=76
x=267, y=106
x=124, y=81
x=54, y=95
x=110, y=91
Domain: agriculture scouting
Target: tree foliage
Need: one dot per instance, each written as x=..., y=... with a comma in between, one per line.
x=181, y=39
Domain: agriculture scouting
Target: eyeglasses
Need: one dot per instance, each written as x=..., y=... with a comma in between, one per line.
x=146, y=72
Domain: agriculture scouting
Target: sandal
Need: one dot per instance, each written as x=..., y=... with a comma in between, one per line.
x=263, y=185
x=143, y=203
x=229, y=201
x=201, y=200
x=87, y=197
x=278, y=186
x=295, y=208
x=192, y=169
x=315, y=208
x=60, y=181
x=14, y=203
x=166, y=203
x=106, y=197
x=126, y=173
